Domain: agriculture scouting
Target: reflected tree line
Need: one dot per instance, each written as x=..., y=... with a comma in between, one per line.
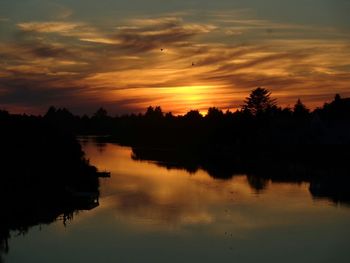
x=44, y=176
x=327, y=179
x=261, y=139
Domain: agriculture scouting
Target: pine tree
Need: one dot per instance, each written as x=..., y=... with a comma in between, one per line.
x=258, y=101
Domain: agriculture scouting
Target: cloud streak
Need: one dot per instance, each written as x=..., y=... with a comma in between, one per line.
x=48, y=27
x=172, y=61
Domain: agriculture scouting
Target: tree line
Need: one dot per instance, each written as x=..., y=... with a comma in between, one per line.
x=259, y=124
x=260, y=121
x=261, y=138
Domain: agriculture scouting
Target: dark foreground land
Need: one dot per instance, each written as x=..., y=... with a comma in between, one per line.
x=44, y=176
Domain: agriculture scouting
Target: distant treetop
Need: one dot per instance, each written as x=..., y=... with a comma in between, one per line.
x=300, y=109
x=258, y=101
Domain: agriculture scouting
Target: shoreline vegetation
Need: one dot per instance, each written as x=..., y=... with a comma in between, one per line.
x=262, y=140
x=45, y=175
x=259, y=130
x=260, y=133
x=260, y=122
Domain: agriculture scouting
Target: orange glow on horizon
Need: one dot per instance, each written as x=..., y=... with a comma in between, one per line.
x=178, y=100
x=170, y=61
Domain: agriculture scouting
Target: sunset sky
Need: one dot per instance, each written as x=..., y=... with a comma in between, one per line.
x=181, y=55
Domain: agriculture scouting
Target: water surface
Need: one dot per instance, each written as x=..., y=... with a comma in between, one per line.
x=148, y=213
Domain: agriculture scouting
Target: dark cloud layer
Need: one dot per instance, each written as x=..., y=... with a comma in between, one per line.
x=173, y=60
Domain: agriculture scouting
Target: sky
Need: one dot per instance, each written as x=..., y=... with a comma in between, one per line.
x=180, y=55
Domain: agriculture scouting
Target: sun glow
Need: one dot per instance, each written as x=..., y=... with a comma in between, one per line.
x=179, y=61
x=178, y=100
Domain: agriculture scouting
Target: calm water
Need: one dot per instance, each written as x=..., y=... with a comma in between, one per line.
x=150, y=214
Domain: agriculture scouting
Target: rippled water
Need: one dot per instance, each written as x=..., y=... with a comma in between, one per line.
x=150, y=214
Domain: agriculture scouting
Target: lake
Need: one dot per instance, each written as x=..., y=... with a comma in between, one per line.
x=148, y=213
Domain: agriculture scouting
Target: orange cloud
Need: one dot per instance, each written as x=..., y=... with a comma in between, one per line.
x=173, y=62
x=48, y=27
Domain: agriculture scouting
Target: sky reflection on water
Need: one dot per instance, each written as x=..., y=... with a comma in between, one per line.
x=150, y=214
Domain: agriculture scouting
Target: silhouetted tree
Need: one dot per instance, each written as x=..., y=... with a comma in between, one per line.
x=300, y=109
x=214, y=113
x=193, y=115
x=338, y=109
x=158, y=111
x=62, y=119
x=101, y=113
x=337, y=98
x=258, y=101
x=154, y=113
x=169, y=116
x=3, y=114
x=50, y=112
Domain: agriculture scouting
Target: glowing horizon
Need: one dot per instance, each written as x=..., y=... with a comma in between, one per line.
x=180, y=57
